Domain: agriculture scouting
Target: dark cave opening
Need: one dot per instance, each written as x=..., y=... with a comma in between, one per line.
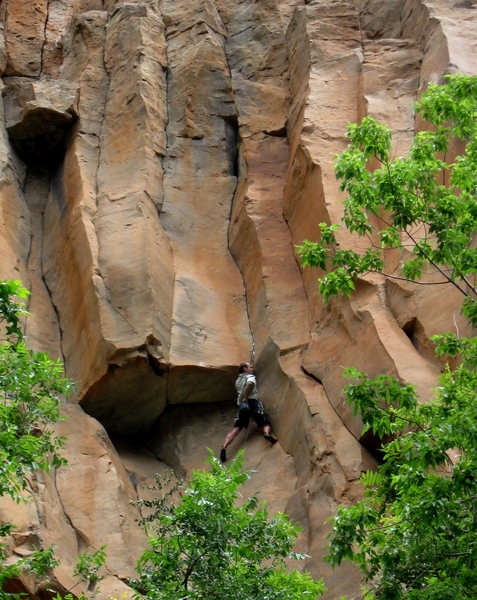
x=410, y=329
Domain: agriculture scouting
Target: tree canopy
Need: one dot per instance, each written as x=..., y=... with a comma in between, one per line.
x=414, y=534
x=209, y=545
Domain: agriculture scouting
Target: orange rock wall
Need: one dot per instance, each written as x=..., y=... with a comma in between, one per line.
x=157, y=237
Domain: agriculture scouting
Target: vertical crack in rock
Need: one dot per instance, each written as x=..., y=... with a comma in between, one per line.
x=56, y=189
x=64, y=509
x=259, y=78
x=39, y=184
x=234, y=151
x=101, y=129
x=154, y=360
x=200, y=179
x=43, y=45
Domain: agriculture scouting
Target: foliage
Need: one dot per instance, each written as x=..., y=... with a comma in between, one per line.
x=30, y=386
x=414, y=535
x=88, y=567
x=417, y=202
x=209, y=547
x=10, y=309
x=39, y=562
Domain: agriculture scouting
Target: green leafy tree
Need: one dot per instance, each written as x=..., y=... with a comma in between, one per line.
x=209, y=546
x=414, y=534
x=31, y=385
x=417, y=202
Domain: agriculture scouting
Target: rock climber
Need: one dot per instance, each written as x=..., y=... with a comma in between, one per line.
x=250, y=407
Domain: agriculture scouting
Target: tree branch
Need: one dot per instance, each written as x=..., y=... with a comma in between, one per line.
x=190, y=569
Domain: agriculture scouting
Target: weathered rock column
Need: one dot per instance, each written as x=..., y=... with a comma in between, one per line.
x=210, y=331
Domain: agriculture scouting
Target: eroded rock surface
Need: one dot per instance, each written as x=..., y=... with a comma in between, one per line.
x=38, y=116
x=197, y=148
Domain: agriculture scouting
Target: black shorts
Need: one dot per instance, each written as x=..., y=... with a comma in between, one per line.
x=253, y=409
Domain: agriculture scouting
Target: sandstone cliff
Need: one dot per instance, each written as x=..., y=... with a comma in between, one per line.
x=159, y=159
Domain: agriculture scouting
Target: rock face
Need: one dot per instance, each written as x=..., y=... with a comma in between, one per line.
x=38, y=115
x=158, y=163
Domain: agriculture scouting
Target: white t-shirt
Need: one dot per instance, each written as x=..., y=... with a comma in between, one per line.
x=241, y=383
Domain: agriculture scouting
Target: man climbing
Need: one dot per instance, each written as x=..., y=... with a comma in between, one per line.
x=250, y=407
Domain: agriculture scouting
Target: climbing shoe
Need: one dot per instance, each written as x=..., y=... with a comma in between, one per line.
x=223, y=455
x=270, y=438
